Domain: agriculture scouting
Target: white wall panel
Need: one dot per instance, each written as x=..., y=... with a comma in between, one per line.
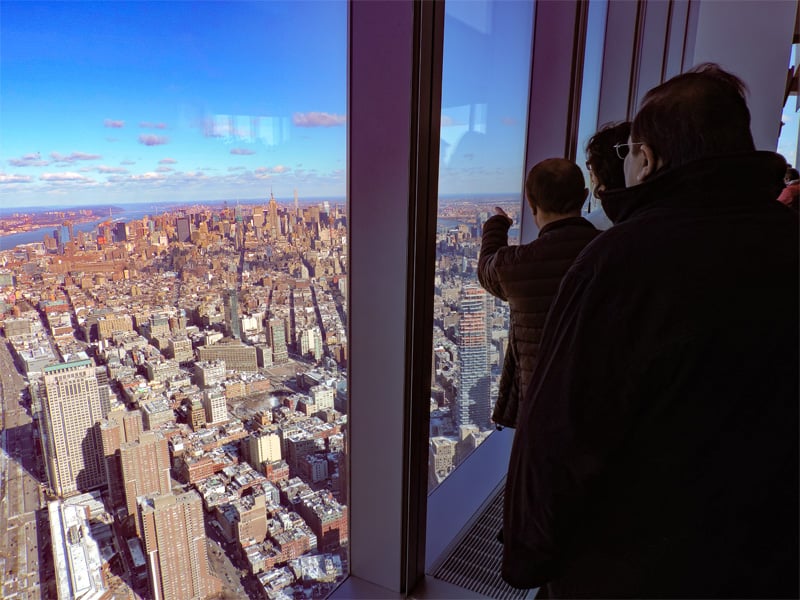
x=378, y=162
x=752, y=39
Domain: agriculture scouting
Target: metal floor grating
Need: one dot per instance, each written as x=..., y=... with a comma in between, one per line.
x=474, y=563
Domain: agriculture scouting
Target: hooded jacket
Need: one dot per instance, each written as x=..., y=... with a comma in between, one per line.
x=657, y=447
x=527, y=276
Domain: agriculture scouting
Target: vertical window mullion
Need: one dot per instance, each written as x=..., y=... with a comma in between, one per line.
x=383, y=176
x=423, y=187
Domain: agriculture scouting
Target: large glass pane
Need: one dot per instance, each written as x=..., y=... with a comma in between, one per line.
x=173, y=276
x=590, y=87
x=789, y=142
x=484, y=107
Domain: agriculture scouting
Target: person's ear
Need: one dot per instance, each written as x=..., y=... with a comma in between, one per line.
x=649, y=163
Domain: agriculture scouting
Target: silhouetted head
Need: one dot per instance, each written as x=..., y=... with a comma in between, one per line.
x=699, y=114
x=605, y=166
x=555, y=186
x=791, y=175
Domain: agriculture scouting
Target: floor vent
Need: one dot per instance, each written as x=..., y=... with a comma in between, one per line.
x=474, y=564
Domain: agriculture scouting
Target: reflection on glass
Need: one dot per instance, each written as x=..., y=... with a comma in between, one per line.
x=484, y=108
x=173, y=276
x=789, y=141
x=590, y=87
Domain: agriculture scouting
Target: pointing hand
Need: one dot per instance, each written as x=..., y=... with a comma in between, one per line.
x=500, y=211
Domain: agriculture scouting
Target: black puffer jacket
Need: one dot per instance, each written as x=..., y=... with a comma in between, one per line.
x=528, y=277
x=657, y=448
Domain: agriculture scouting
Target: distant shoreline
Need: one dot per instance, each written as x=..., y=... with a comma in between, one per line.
x=123, y=207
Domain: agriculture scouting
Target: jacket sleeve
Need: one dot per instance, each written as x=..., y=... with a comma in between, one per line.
x=574, y=414
x=494, y=238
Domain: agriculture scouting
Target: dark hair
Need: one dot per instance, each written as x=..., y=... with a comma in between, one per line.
x=601, y=157
x=792, y=174
x=556, y=185
x=700, y=113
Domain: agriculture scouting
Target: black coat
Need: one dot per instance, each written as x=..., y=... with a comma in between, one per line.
x=527, y=276
x=657, y=449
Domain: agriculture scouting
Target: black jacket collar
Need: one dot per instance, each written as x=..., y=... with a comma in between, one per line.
x=566, y=222
x=740, y=178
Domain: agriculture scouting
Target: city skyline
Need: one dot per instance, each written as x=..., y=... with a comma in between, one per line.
x=140, y=411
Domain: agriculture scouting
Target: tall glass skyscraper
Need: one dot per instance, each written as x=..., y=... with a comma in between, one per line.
x=473, y=398
x=231, y=308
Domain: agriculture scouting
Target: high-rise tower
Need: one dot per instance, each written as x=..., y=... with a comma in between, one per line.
x=277, y=333
x=175, y=546
x=72, y=407
x=183, y=229
x=273, y=226
x=119, y=427
x=145, y=467
x=231, y=310
x=473, y=399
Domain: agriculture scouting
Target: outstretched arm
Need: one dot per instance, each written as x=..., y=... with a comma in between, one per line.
x=494, y=238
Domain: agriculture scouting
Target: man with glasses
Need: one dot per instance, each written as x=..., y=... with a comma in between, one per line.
x=605, y=167
x=657, y=447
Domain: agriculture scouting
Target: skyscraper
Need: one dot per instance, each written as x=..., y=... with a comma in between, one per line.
x=277, y=333
x=72, y=407
x=272, y=217
x=231, y=310
x=311, y=342
x=473, y=399
x=175, y=546
x=145, y=467
x=119, y=427
x=259, y=217
x=183, y=229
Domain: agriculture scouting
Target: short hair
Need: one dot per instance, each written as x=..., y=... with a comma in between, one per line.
x=792, y=174
x=601, y=157
x=556, y=185
x=698, y=114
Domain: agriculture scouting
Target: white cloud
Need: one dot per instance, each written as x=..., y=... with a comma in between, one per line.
x=14, y=178
x=68, y=176
x=318, y=119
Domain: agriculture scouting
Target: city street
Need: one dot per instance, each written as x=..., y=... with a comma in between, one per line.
x=22, y=539
x=221, y=564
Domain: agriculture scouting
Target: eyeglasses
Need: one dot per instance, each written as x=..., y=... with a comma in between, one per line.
x=624, y=149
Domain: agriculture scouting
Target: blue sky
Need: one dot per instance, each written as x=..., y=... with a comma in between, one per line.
x=788, y=141
x=180, y=101
x=171, y=101
x=485, y=73
x=107, y=101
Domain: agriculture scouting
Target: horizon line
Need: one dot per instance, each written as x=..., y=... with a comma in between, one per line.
x=290, y=199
